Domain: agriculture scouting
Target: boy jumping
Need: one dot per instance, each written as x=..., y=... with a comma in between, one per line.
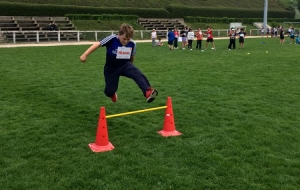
x=120, y=52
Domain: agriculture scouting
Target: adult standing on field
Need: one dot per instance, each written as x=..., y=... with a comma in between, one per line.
x=153, y=37
x=232, y=37
x=210, y=38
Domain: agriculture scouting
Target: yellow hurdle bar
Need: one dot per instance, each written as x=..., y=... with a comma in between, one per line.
x=137, y=111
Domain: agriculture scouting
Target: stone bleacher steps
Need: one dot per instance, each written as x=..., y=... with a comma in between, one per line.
x=161, y=25
x=27, y=24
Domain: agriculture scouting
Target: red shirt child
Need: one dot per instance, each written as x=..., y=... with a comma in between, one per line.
x=210, y=38
x=209, y=33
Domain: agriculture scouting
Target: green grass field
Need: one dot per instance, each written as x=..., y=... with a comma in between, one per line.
x=238, y=114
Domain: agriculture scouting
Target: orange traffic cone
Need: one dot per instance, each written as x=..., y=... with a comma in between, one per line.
x=101, y=144
x=169, y=125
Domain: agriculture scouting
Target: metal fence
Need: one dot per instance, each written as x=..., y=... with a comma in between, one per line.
x=77, y=35
x=257, y=32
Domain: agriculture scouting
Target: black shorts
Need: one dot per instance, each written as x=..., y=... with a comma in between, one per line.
x=210, y=40
x=170, y=42
x=241, y=40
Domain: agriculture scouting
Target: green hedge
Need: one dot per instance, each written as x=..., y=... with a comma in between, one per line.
x=177, y=11
x=192, y=19
x=102, y=17
x=171, y=11
x=24, y=9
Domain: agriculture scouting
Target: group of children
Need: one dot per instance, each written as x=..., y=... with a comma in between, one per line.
x=290, y=33
x=187, y=36
x=233, y=34
x=275, y=31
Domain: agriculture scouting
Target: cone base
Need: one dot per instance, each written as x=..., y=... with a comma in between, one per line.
x=169, y=133
x=96, y=148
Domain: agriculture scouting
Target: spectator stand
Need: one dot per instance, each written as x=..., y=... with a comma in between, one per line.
x=28, y=29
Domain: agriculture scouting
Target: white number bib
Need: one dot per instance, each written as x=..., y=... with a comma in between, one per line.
x=124, y=52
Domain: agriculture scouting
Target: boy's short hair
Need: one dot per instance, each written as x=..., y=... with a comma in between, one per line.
x=127, y=30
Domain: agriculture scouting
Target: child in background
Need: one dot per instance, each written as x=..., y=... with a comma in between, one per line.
x=171, y=38
x=191, y=37
x=183, y=34
x=297, y=39
x=199, y=36
x=242, y=36
x=120, y=53
x=176, y=33
x=159, y=43
x=210, y=38
x=281, y=35
x=153, y=37
x=292, y=36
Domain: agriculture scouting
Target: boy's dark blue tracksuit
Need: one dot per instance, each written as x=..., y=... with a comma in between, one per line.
x=114, y=68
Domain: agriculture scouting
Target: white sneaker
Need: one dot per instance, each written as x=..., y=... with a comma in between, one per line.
x=212, y=48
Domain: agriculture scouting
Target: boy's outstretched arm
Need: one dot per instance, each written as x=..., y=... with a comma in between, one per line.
x=84, y=56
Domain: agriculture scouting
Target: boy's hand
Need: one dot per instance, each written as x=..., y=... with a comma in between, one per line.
x=83, y=58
